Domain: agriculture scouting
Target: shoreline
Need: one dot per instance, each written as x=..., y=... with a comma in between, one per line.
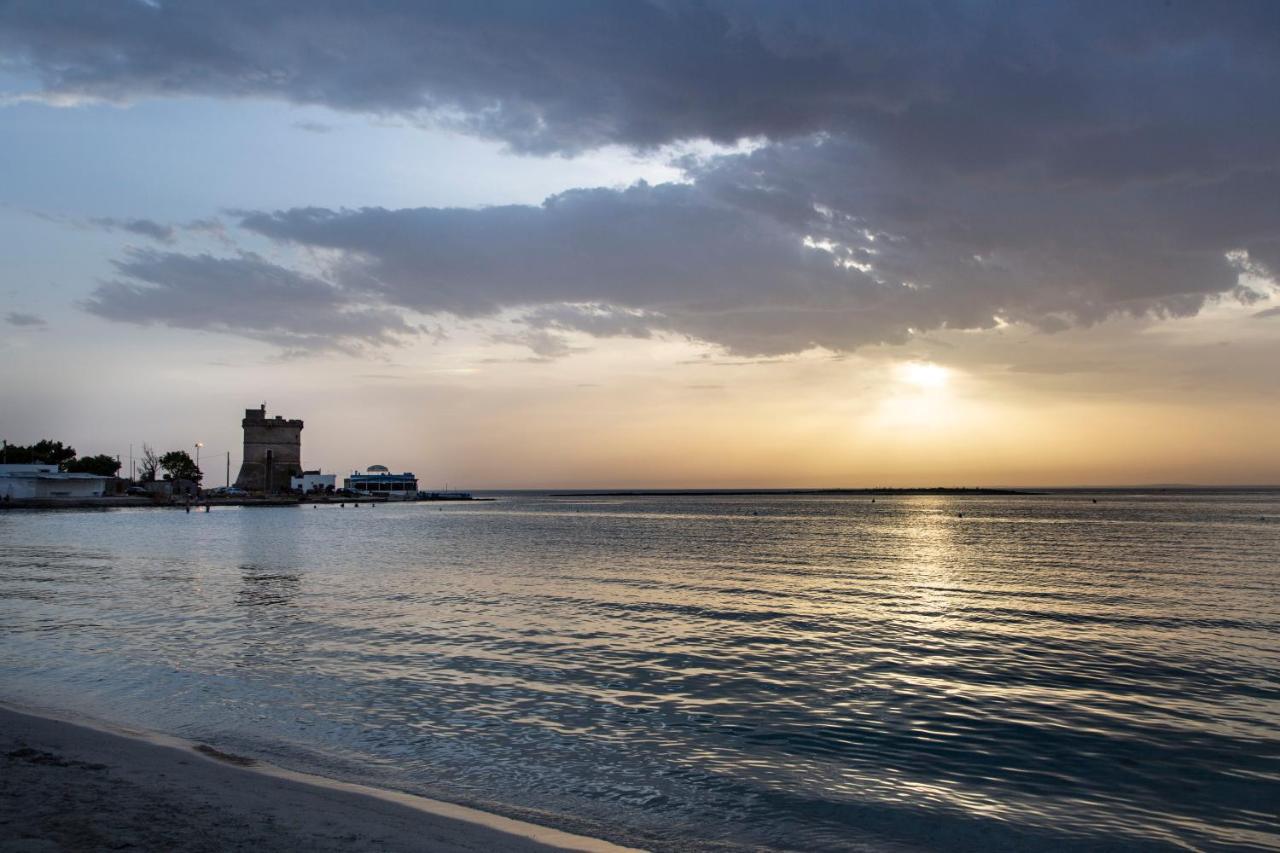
x=204, y=504
x=77, y=784
x=736, y=493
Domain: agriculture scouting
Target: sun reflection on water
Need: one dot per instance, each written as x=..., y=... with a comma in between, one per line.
x=810, y=672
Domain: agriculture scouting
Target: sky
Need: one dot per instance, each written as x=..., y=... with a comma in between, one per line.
x=650, y=244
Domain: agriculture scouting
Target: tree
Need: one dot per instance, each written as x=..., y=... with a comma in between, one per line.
x=149, y=465
x=102, y=465
x=52, y=452
x=179, y=465
x=45, y=451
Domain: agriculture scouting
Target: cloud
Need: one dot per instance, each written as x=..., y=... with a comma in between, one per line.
x=245, y=295
x=313, y=126
x=142, y=227
x=916, y=166
x=210, y=225
x=642, y=247
x=1019, y=244
x=159, y=231
x=545, y=346
x=17, y=318
x=1269, y=312
x=1093, y=90
x=605, y=262
x=605, y=321
x=810, y=243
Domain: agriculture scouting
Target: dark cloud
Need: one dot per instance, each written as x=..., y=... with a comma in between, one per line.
x=950, y=165
x=1097, y=90
x=645, y=247
x=606, y=262
x=209, y=226
x=17, y=318
x=810, y=243
x=1269, y=312
x=245, y=295
x=142, y=227
x=161, y=232
x=1019, y=245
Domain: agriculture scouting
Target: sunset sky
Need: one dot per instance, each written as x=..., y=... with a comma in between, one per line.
x=674, y=244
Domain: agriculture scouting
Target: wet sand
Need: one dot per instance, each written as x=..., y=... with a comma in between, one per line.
x=68, y=786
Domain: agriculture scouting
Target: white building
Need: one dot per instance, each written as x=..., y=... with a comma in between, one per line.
x=23, y=482
x=313, y=481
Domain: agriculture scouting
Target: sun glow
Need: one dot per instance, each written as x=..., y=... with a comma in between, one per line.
x=924, y=375
x=920, y=397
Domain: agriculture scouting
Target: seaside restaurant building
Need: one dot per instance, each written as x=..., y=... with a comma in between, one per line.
x=379, y=481
x=38, y=481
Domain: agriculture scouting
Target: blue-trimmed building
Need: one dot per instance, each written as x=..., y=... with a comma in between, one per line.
x=377, y=480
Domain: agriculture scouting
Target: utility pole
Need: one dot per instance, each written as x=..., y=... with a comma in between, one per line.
x=199, y=444
x=228, y=469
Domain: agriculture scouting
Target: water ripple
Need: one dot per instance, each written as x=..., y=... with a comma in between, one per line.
x=817, y=673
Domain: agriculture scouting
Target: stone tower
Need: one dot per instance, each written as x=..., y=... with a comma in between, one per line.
x=272, y=451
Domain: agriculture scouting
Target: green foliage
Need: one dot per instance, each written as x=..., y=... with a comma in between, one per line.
x=179, y=465
x=45, y=451
x=50, y=452
x=102, y=465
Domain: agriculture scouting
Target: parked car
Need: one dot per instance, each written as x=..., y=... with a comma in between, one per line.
x=234, y=492
x=136, y=490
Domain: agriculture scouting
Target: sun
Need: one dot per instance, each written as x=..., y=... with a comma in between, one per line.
x=924, y=375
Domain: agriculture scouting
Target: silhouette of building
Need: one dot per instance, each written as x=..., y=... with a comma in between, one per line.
x=272, y=452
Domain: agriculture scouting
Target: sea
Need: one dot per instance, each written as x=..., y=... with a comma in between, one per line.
x=1070, y=670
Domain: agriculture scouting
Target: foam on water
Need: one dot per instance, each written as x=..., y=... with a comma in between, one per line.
x=797, y=672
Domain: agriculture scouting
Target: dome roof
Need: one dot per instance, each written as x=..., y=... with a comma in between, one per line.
x=381, y=469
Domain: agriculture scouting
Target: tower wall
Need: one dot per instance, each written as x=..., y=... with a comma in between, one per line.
x=272, y=451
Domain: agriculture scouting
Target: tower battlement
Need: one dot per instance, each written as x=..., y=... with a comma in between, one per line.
x=272, y=451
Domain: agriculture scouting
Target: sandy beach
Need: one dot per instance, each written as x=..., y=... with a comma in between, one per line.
x=69, y=786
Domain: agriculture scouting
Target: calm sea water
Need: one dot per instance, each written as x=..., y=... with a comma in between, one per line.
x=686, y=672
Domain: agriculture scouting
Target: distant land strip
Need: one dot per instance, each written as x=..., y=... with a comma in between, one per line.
x=767, y=492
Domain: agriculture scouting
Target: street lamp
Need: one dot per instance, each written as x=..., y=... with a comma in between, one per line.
x=199, y=444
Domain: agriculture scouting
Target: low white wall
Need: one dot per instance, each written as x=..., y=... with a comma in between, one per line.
x=17, y=487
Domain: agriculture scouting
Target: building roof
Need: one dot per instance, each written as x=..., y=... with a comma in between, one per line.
x=50, y=475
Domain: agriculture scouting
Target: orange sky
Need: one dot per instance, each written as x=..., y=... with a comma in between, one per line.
x=1186, y=401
